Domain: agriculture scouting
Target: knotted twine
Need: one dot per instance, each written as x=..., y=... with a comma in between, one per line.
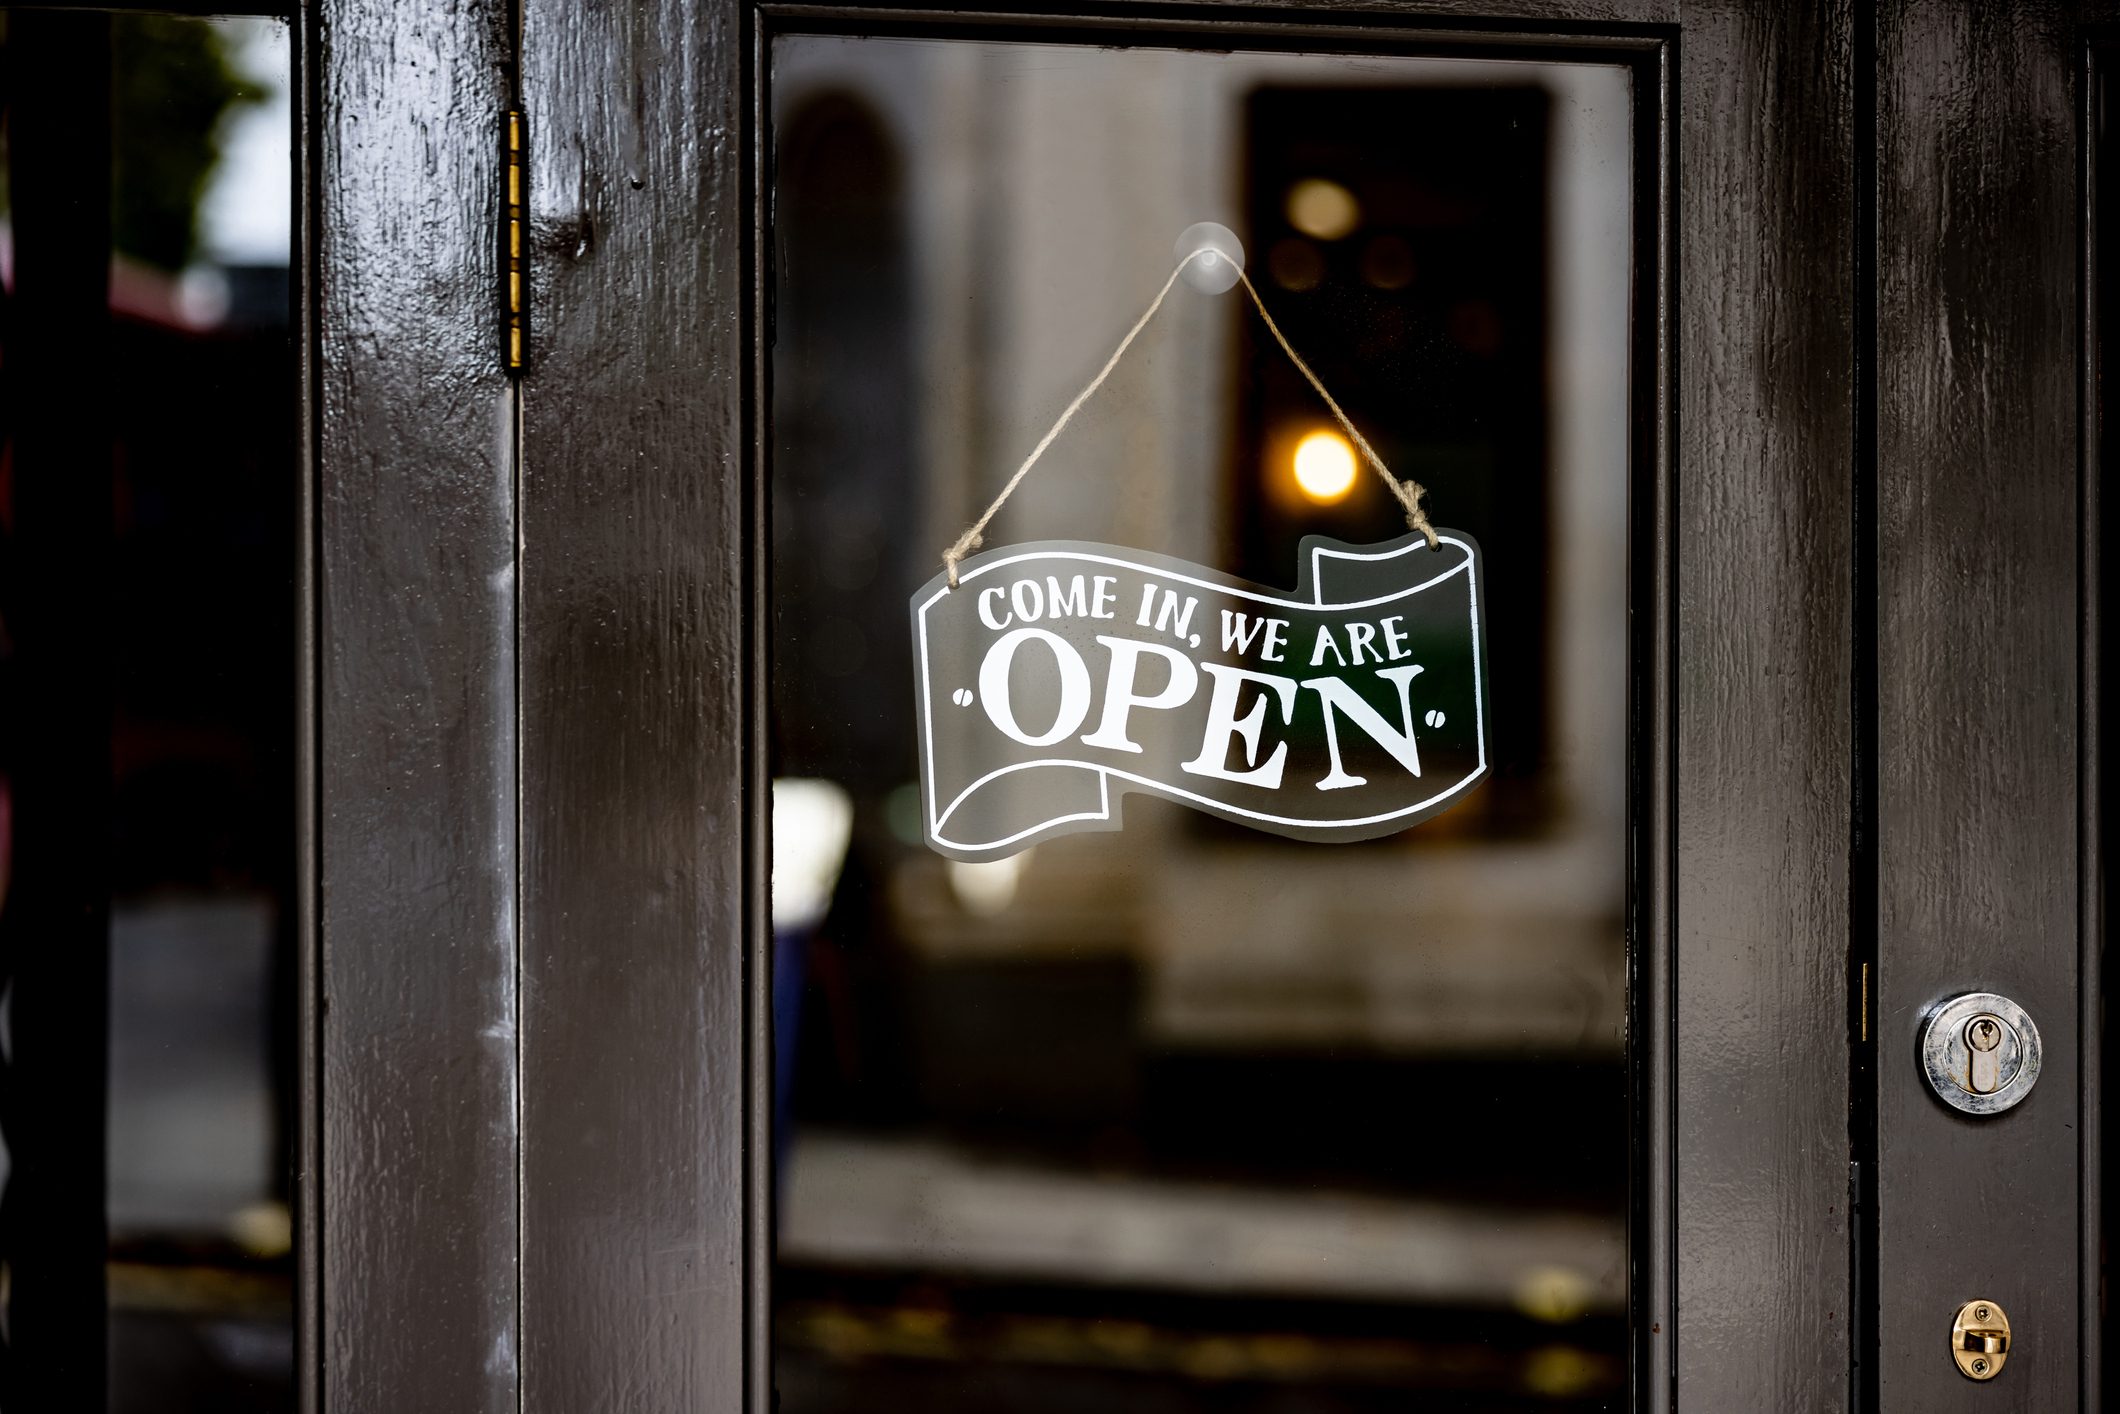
x=1408, y=492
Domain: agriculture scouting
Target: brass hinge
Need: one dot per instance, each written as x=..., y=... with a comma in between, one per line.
x=512, y=241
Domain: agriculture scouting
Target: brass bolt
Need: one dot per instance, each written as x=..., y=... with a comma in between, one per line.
x=1981, y=1313
x=1980, y=1367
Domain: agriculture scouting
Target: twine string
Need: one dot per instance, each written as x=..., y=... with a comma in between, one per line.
x=1408, y=492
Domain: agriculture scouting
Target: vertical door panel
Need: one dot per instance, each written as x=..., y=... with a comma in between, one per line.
x=1978, y=629
x=634, y=687
x=1765, y=426
x=415, y=1263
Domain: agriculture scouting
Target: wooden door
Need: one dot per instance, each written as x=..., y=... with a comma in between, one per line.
x=1862, y=700
x=645, y=1166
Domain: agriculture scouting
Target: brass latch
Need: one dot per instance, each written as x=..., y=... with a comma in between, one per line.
x=1980, y=1340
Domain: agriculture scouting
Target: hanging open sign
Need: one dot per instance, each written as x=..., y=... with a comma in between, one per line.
x=1058, y=676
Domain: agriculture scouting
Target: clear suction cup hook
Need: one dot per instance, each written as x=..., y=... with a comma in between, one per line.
x=1216, y=270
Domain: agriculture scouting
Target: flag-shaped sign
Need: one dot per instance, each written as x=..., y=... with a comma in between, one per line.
x=1058, y=676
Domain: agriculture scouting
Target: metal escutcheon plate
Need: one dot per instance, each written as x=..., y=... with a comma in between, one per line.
x=2002, y=1076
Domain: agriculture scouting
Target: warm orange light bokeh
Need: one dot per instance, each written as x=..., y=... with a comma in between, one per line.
x=1324, y=466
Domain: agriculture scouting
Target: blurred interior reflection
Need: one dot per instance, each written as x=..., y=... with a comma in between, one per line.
x=1184, y=1117
x=148, y=533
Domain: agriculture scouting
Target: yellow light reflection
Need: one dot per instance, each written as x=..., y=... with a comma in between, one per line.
x=1554, y=1294
x=1321, y=209
x=1324, y=466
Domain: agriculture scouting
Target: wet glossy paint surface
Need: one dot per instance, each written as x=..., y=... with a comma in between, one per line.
x=1979, y=145
x=416, y=717
x=1765, y=394
x=634, y=682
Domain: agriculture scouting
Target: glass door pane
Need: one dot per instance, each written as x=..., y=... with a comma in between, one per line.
x=1181, y=1115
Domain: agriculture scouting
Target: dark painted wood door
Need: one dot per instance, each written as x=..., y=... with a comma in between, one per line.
x=1984, y=829
x=645, y=476
x=1863, y=698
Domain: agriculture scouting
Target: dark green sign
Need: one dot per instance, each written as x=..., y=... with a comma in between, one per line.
x=1058, y=676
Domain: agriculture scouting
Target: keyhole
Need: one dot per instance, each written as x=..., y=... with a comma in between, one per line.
x=1983, y=1039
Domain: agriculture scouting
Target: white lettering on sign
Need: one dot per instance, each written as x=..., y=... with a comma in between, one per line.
x=1068, y=712
x=1381, y=721
x=1224, y=726
x=1339, y=699
x=1121, y=696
